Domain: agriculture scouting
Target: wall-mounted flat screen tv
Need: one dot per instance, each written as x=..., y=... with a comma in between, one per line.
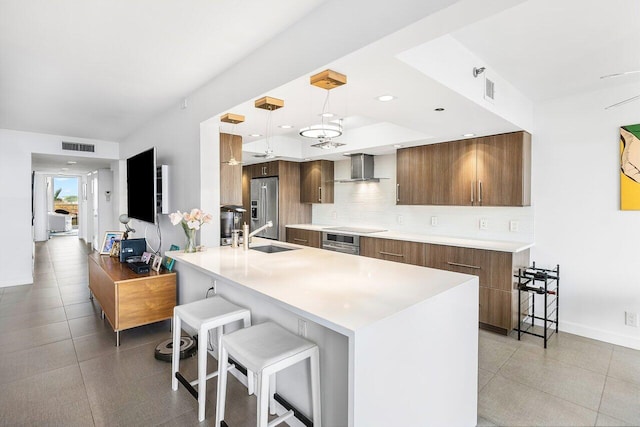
x=141, y=186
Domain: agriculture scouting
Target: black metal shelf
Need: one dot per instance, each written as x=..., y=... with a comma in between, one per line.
x=543, y=283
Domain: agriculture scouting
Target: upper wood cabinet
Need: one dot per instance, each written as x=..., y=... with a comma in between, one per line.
x=316, y=182
x=393, y=250
x=487, y=171
x=265, y=169
x=230, y=176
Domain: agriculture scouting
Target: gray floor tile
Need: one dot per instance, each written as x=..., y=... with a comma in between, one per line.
x=22, y=339
x=621, y=400
x=493, y=352
x=88, y=326
x=482, y=422
x=625, y=364
x=483, y=377
x=26, y=363
x=565, y=381
x=20, y=321
x=508, y=403
x=607, y=421
x=83, y=309
x=573, y=350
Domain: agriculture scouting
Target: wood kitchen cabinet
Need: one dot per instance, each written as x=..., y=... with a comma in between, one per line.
x=487, y=171
x=230, y=175
x=495, y=271
x=393, y=250
x=304, y=237
x=316, y=181
x=265, y=169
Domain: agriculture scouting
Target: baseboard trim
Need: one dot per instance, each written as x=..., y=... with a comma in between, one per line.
x=601, y=335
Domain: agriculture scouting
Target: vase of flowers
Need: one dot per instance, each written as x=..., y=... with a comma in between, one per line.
x=191, y=223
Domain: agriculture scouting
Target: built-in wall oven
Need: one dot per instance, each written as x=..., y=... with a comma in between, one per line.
x=345, y=243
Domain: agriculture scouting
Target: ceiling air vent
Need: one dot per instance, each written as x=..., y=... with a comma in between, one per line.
x=489, y=89
x=74, y=146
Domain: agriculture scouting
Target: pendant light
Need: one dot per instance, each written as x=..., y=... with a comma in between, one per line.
x=234, y=119
x=270, y=104
x=325, y=132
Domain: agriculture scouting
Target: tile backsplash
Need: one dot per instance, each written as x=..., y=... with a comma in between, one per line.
x=370, y=204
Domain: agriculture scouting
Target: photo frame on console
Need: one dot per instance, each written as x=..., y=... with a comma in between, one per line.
x=107, y=242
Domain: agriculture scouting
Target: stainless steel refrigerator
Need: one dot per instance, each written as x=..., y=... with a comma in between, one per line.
x=264, y=206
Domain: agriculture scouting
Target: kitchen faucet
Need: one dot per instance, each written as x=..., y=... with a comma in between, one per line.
x=246, y=235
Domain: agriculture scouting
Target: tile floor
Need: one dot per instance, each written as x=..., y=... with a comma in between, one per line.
x=59, y=366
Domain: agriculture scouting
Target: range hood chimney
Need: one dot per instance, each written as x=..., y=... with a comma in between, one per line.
x=361, y=169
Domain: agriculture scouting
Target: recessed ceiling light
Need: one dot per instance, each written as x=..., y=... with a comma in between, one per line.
x=385, y=98
x=439, y=109
x=307, y=159
x=285, y=126
x=469, y=134
x=255, y=135
x=71, y=162
x=397, y=145
x=64, y=169
x=346, y=154
x=327, y=114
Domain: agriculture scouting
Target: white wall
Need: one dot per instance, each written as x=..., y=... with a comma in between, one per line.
x=16, y=257
x=374, y=204
x=576, y=178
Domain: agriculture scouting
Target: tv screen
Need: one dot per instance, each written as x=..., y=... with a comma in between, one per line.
x=141, y=186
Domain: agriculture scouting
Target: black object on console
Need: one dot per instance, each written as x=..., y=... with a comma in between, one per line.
x=132, y=247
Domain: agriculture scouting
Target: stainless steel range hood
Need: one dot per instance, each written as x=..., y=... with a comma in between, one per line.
x=361, y=169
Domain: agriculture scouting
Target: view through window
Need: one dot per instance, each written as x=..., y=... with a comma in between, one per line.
x=65, y=196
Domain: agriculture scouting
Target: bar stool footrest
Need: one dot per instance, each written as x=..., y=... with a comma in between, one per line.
x=187, y=385
x=282, y=418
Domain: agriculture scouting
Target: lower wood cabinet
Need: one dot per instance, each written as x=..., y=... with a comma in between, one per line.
x=304, y=237
x=495, y=271
x=393, y=250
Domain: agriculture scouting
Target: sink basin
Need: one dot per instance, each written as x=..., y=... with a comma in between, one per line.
x=270, y=249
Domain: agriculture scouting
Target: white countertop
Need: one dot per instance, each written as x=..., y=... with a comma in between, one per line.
x=340, y=291
x=492, y=245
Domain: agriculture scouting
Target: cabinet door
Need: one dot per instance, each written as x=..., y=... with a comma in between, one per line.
x=451, y=169
x=393, y=250
x=504, y=169
x=230, y=176
x=495, y=308
x=316, y=182
x=409, y=175
x=493, y=268
x=303, y=237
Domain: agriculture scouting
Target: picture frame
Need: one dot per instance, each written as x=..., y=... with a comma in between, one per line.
x=115, y=249
x=157, y=262
x=146, y=257
x=168, y=261
x=107, y=242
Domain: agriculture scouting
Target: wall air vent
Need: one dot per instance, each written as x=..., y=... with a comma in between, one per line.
x=489, y=89
x=74, y=146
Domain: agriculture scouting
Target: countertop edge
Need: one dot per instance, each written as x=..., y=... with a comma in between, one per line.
x=492, y=245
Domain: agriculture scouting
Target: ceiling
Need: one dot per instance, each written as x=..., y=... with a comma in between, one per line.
x=100, y=69
x=546, y=49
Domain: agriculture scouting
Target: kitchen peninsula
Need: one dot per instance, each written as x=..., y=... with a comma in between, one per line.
x=398, y=343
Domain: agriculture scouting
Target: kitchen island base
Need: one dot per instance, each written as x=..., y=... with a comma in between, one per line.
x=398, y=343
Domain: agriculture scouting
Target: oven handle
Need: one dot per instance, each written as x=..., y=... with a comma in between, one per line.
x=350, y=249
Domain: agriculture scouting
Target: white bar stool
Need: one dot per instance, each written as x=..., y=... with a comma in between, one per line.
x=205, y=315
x=266, y=349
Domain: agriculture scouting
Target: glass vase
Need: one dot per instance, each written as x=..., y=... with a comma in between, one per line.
x=190, y=244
